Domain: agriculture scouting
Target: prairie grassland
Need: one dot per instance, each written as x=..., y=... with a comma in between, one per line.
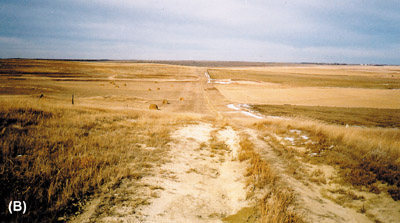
x=344, y=70
x=365, y=157
x=317, y=76
x=89, y=79
x=111, y=84
x=368, y=117
x=265, y=93
x=341, y=86
x=55, y=155
x=94, y=70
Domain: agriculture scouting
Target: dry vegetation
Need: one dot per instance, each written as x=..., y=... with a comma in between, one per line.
x=277, y=203
x=369, y=117
x=340, y=86
x=54, y=156
x=315, y=76
x=364, y=156
x=96, y=83
x=90, y=71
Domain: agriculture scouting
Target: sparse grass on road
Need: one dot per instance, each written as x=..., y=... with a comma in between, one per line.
x=277, y=203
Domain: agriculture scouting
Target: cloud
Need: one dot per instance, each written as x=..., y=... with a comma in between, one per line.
x=361, y=31
x=10, y=40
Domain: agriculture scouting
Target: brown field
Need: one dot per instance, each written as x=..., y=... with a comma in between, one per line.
x=258, y=142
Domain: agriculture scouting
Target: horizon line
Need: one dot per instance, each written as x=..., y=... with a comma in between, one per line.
x=203, y=60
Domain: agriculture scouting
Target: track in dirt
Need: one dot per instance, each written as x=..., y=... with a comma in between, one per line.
x=195, y=96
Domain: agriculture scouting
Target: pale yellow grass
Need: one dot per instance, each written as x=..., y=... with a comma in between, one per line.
x=341, y=70
x=311, y=96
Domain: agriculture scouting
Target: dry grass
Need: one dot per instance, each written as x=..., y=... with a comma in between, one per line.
x=53, y=155
x=318, y=176
x=216, y=146
x=90, y=70
x=260, y=171
x=96, y=83
x=370, y=117
x=278, y=204
x=342, y=196
x=364, y=155
x=313, y=76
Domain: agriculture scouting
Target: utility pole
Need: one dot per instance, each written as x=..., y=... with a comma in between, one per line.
x=72, y=99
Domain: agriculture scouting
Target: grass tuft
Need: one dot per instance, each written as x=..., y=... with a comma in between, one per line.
x=278, y=204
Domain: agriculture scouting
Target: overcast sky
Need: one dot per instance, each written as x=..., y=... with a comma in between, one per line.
x=345, y=31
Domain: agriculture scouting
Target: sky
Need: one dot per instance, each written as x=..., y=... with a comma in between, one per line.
x=336, y=31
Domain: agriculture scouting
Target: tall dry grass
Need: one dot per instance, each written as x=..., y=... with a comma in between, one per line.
x=53, y=156
x=278, y=203
x=364, y=155
x=278, y=206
